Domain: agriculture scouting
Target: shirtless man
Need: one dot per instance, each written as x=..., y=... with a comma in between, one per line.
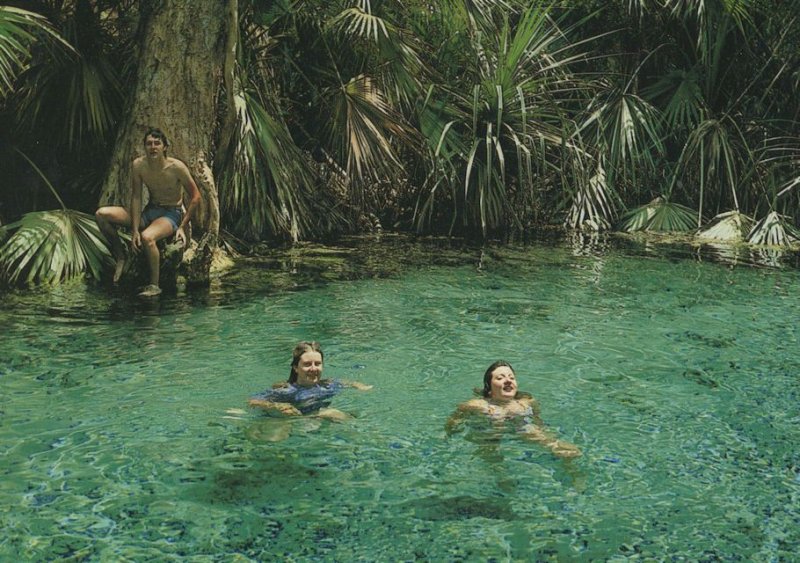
x=164, y=177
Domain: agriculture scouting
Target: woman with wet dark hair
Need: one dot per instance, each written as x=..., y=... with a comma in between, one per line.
x=502, y=402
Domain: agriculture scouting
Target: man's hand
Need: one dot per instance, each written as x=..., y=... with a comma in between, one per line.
x=136, y=241
x=180, y=236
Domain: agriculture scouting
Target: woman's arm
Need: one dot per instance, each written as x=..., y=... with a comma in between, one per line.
x=355, y=385
x=560, y=448
x=462, y=411
x=283, y=408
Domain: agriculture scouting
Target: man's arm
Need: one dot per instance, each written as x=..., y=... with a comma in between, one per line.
x=136, y=205
x=188, y=183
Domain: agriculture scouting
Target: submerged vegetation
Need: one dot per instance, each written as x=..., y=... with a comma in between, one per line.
x=455, y=117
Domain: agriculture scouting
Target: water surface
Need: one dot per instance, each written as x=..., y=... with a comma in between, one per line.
x=676, y=376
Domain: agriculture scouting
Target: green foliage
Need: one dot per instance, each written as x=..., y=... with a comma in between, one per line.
x=774, y=230
x=20, y=30
x=52, y=246
x=267, y=184
x=76, y=94
x=505, y=134
x=494, y=115
x=731, y=226
x=659, y=216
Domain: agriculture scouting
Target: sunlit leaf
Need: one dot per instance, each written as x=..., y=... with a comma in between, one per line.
x=19, y=31
x=659, y=216
x=731, y=226
x=774, y=230
x=48, y=247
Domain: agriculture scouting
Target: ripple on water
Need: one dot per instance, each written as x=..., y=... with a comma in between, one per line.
x=676, y=378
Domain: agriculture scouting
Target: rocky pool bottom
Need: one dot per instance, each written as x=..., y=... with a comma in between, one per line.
x=674, y=371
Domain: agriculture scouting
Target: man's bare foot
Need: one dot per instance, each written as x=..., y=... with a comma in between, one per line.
x=118, y=267
x=151, y=290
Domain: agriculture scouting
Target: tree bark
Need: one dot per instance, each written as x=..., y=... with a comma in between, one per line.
x=182, y=48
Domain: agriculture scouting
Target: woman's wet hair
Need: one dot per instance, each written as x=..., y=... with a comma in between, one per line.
x=156, y=133
x=487, y=377
x=301, y=348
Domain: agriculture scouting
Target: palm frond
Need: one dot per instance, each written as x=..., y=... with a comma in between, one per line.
x=48, y=247
x=590, y=209
x=75, y=94
x=682, y=89
x=671, y=217
x=627, y=128
x=268, y=183
x=659, y=216
x=18, y=34
x=370, y=125
x=774, y=230
x=402, y=71
x=731, y=226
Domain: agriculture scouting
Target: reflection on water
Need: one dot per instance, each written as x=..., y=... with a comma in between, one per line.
x=674, y=370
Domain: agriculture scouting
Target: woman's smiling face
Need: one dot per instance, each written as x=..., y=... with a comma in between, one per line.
x=503, y=384
x=309, y=368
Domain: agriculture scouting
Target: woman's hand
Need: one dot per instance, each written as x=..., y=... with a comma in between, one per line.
x=287, y=409
x=283, y=408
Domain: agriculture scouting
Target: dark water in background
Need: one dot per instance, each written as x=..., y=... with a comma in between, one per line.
x=675, y=370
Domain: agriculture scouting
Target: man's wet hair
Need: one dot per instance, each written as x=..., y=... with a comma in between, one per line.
x=156, y=133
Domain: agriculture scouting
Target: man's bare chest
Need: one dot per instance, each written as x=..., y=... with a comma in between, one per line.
x=160, y=180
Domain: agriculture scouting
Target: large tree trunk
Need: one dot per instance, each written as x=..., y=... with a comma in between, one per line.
x=182, y=48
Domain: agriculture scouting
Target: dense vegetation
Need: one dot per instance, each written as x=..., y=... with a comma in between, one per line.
x=469, y=117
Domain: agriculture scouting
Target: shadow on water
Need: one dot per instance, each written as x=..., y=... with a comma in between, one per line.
x=460, y=508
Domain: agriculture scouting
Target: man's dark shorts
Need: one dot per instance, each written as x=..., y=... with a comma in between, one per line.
x=152, y=212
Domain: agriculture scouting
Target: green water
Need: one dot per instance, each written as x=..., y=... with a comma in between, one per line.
x=677, y=377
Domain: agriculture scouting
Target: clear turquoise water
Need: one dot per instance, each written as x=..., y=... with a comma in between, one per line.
x=677, y=377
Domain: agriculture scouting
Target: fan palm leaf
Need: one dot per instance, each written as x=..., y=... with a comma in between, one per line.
x=268, y=184
x=401, y=69
x=75, y=94
x=52, y=246
x=731, y=226
x=683, y=91
x=659, y=216
x=370, y=125
x=774, y=230
x=19, y=31
x=671, y=217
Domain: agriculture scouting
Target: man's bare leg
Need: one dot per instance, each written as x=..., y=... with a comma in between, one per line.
x=158, y=229
x=108, y=218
